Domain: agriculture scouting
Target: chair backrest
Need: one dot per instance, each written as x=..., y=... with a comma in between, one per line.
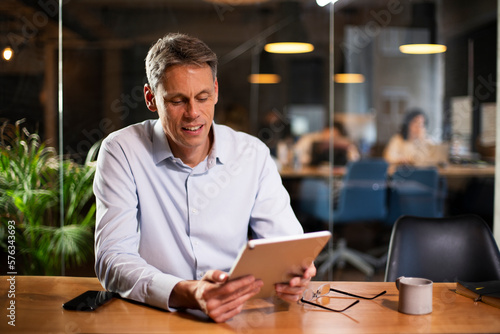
x=443, y=249
x=363, y=196
x=315, y=198
x=427, y=176
x=416, y=191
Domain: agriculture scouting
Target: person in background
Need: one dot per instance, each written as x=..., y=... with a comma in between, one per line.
x=411, y=145
x=178, y=196
x=313, y=148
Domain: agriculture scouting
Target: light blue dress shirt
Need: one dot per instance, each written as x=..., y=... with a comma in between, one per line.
x=160, y=221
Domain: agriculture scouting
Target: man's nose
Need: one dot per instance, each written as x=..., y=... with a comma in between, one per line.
x=191, y=110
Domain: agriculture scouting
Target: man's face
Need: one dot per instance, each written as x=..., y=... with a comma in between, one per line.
x=185, y=101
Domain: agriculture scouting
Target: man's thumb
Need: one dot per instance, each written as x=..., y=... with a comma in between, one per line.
x=219, y=276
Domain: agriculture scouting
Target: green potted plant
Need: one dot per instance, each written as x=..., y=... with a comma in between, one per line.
x=30, y=195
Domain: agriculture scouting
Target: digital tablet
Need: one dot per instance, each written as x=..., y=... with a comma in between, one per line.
x=277, y=260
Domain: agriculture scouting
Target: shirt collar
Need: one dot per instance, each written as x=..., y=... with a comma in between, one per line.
x=162, y=151
x=161, y=148
x=217, y=152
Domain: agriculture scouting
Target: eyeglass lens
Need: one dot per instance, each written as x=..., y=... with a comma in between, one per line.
x=322, y=290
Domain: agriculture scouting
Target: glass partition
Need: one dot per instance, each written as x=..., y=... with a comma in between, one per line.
x=104, y=44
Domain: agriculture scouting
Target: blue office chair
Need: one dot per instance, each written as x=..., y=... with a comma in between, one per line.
x=362, y=198
x=416, y=191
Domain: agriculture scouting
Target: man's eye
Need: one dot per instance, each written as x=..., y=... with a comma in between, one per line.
x=176, y=102
x=203, y=99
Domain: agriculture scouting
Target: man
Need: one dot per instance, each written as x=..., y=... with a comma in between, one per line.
x=177, y=197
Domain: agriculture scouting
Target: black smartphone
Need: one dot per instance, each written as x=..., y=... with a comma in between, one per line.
x=89, y=300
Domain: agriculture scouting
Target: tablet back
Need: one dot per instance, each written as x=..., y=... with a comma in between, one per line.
x=277, y=260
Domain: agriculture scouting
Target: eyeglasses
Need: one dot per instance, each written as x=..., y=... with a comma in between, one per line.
x=353, y=295
x=323, y=290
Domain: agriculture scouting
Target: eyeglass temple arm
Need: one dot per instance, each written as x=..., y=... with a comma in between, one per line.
x=327, y=308
x=353, y=295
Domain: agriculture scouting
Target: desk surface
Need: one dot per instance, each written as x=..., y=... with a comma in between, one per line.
x=477, y=170
x=450, y=171
x=38, y=309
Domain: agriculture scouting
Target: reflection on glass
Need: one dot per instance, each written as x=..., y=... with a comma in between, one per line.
x=104, y=43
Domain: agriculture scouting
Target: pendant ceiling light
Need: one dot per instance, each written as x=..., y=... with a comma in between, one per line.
x=293, y=37
x=349, y=68
x=348, y=78
x=422, y=35
x=265, y=73
x=347, y=75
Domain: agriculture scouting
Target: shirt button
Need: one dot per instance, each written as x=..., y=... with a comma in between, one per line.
x=195, y=211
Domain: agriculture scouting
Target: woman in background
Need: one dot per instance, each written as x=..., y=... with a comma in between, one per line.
x=411, y=145
x=313, y=148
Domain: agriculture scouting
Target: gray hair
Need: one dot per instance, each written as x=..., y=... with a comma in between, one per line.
x=177, y=49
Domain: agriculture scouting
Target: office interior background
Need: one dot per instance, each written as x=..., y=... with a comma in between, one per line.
x=78, y=75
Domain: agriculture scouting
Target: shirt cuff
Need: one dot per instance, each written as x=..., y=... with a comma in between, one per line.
x=159, y=290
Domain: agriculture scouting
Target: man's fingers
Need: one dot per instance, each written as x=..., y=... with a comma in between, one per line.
x=299, y=281
x=310, y=271
x=223, y=317
x=232, y=290
x=217, y=276
x=289, y=293
x=237, y=286
x=221, y=312
x=221, y=299
x=285, y=288
x=289, y=297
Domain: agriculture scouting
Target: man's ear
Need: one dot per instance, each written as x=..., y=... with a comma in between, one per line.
x=149, y=97
x=216, y=90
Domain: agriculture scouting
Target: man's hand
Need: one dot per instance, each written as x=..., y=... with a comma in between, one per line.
x=219, y=298
x=292, y=291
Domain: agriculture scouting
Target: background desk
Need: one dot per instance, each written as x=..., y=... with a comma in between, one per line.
x=309, y=171
x=450, y=171
x=38, y=303
x=461, y=171
x=470, y=187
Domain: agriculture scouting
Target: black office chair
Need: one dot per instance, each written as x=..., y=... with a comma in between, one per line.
x=443, y=249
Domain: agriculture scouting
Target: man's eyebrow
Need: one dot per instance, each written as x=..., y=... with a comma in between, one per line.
x=178, y=94
x=173, y=95
x=205, y=91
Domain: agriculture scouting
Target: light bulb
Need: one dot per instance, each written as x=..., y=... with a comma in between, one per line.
x=323, y=3
x=289, y=47
x=263, y=78
x=422, y=48
x=7, y=53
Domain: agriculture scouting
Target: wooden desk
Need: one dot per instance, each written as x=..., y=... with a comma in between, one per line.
x=38, y=303
x=450, y=171
x=309, y=171
x=461, y=171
